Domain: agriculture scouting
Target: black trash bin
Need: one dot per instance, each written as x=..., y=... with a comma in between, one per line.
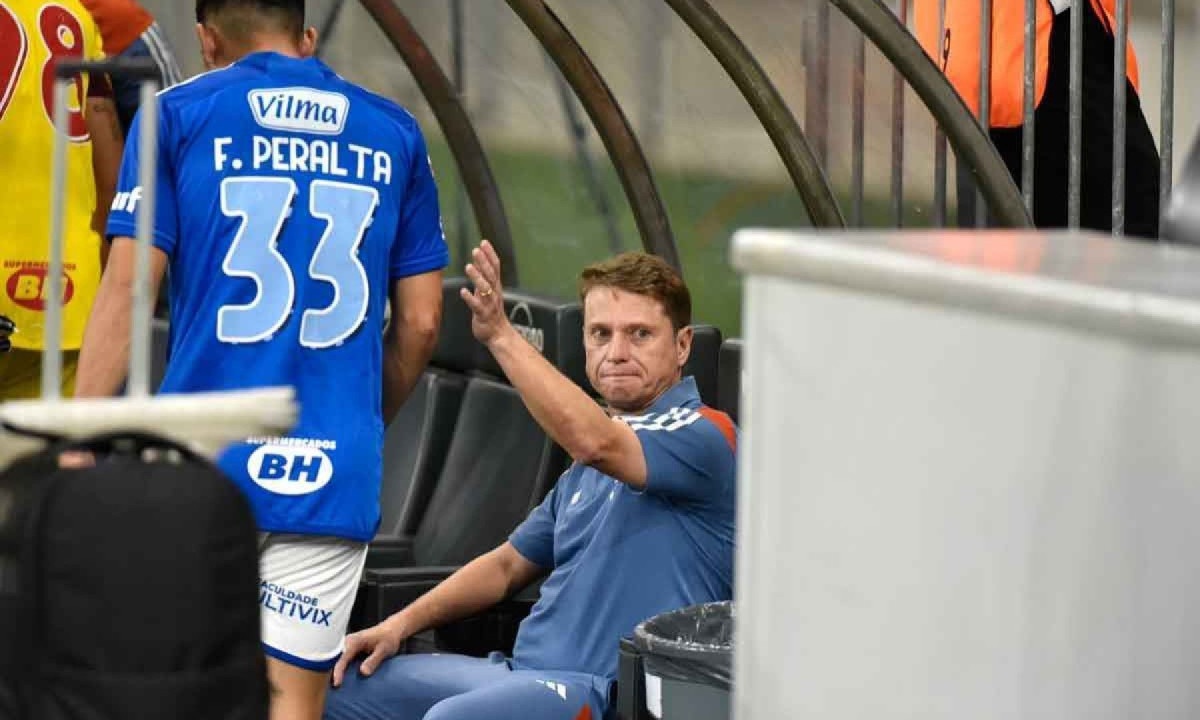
x=688, y=656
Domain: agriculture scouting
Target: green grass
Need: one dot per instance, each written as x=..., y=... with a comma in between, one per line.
x=557, y=228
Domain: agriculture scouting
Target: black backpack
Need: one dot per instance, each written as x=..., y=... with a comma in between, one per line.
x=128, y=589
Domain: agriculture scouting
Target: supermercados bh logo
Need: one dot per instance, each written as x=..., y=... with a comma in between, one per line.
x=291, y=466
x=521, y=318
x=300, y=109
x=26, y=283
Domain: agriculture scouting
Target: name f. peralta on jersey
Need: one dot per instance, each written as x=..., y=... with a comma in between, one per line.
x=288, y=201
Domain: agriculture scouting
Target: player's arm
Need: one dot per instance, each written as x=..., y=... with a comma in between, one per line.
x=411, y=336
x=107, y=145
x=104, y=357
x=476, y=586
x=562, y=408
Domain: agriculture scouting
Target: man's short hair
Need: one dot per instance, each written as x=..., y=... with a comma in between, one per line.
x=642, y=274
x=243, y=18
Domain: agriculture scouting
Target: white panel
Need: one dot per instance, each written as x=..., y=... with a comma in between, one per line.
x=949, y=510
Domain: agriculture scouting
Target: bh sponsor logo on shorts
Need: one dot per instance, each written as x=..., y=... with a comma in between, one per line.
x=302, y=109
x=289, y=604
x=291, y=466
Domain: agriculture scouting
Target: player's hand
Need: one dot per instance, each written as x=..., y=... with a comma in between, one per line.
x=7, y=328
x=488, y=319
x=378, y=643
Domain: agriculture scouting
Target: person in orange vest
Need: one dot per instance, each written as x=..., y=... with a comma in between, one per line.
x=957, y=53
x=128, y=30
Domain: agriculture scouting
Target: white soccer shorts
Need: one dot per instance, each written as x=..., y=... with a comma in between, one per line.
x=306, y=589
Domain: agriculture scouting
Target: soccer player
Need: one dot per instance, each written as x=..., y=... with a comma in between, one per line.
x=291, y=205
x=642, y=522
x=32, y=36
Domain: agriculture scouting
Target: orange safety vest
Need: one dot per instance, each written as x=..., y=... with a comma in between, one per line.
x=121, y=22
x=957, y=51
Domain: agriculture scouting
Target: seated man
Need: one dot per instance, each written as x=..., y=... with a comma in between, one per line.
x=642, y=522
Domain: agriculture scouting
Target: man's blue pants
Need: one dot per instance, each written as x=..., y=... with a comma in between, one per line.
x=456, y=687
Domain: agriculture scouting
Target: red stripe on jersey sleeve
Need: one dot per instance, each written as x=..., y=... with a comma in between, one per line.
x=723, y=423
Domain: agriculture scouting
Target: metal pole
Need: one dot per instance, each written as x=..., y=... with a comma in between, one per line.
x=1075, y=132
x=458, y=71
x=859, y=129
x=474, y=170
x=651, y=73
x=816, y=105
x=939, y=135
x=577, y=129
x=808, y=176
x=52, y=290
x=610, y=122
x=143, y=303
x=1027, y=128
x=898, y=133
x=1167, y=112
x=985, y=93
x=326, y=29
x=970, y=143
x=1118, y=147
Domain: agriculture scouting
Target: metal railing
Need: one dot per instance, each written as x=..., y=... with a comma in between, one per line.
x=994, y=10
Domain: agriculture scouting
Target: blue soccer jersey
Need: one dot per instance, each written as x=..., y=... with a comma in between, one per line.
x=619, y=556
x=287, y=202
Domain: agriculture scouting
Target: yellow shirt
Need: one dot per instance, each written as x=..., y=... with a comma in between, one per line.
x=32, y=32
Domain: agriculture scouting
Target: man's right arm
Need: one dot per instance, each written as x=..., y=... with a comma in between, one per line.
x=104, y=356
x=411, y=337
x=476, y=586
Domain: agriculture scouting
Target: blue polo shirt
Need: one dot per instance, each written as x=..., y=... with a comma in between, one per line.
x=619, y=556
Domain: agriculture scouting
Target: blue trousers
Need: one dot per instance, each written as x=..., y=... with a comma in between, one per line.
x=455, y=687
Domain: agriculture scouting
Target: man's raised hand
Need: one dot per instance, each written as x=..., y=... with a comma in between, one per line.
x=377, y=643
x=487, y=300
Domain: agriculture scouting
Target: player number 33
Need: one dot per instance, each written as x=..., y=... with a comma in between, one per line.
x=263, y=204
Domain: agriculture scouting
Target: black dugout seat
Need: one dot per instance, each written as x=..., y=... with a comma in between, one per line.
x=729, y=386
x=498, y=463
x=702, y=363
x=160, y=333
x=414, y=450
x=430, y=448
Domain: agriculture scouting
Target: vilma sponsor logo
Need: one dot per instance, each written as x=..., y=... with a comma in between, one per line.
x=302, y=109
x=292, y=604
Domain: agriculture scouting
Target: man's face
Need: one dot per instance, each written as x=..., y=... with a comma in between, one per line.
x=633, y=353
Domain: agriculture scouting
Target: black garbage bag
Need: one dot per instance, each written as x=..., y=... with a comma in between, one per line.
x=690, y=651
